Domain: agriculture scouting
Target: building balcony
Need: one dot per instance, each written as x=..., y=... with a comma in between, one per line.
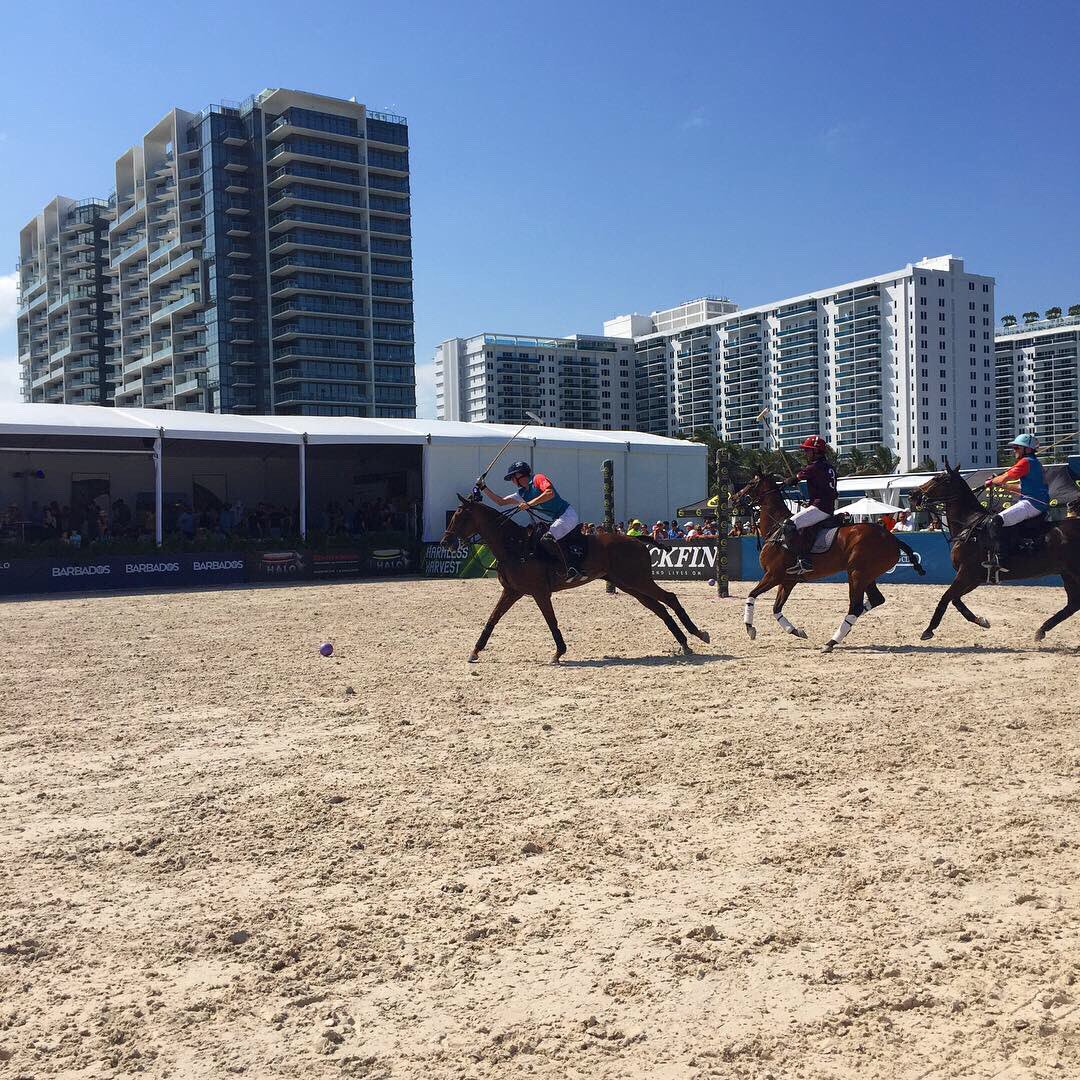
x=186, y=302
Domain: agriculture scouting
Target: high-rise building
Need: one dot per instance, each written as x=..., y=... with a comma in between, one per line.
x=902, y=359
x=1038, y=384
x=261, y=261
x=579, y=381
x=65, y=327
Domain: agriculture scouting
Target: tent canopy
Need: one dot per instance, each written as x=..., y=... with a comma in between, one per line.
x=868, y=507
x=96, y=421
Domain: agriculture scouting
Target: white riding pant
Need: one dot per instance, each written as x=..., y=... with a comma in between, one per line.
x=562, y=525
x=811, y=515
x=1019, y=511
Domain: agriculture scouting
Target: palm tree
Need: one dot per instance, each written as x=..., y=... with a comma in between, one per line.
x=1074, y=310
x=1030, y=317
x=928, y=464
x=1053, y=313
x=1008, y=320
x=883, y=461
x=854, y=462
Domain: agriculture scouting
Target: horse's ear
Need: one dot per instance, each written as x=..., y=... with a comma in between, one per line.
x=462, y=499
x=948, y=467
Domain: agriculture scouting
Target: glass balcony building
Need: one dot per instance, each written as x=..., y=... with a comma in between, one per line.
x=251, y=243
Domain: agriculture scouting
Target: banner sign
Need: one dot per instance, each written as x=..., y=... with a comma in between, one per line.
x=193, y=570
x=693, y=560
x=120, y=572
x=466, y=561
x=931, y=549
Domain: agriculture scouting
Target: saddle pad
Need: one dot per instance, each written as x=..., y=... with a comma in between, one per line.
x=824, y=540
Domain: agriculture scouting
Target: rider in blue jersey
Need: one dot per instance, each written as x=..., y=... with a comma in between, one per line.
x=538, y=493
x=1034, y=493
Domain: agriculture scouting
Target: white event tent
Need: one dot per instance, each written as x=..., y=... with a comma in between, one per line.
x=281, y=454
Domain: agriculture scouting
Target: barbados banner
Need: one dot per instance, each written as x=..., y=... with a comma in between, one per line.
x=466, y=561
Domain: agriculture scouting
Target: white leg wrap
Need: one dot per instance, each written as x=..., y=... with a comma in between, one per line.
x=748, y=611
x=785, y=624
x=843, y=628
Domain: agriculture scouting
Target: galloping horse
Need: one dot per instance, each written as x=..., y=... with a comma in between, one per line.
x=865, y=552
x=1057, y=553
x=622, y=560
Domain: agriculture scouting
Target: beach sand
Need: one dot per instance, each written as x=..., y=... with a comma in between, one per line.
x=223, y=854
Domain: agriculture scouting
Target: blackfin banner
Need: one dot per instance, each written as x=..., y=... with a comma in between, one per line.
x=693, y=560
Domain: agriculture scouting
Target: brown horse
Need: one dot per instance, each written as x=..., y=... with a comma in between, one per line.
x=1058, y=552
x=864, y=552
x=622, y=560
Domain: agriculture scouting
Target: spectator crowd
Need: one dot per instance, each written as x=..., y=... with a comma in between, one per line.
x=99, y=522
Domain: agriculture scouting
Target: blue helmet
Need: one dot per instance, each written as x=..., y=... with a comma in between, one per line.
x=518, y=467
x=1028, y=442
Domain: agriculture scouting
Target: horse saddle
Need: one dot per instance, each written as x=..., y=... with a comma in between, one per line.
x=825, y=536
x=1027, y=537
x=576, y=542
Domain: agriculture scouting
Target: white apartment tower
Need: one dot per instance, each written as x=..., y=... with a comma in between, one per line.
x=579, y=381
x=1038, y=384
x=65, y=320
x=903, y=359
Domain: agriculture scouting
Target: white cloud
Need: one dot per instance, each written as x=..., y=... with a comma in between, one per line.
x=9, y=364
x=838, y=134
x=695, y=120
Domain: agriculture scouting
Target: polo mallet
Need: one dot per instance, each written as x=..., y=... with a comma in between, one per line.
x=763, y=418
x=481, y=480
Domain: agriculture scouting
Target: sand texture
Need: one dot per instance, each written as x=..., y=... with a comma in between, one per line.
x=222, y=854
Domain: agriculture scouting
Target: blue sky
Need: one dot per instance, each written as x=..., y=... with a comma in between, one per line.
x=572, y=161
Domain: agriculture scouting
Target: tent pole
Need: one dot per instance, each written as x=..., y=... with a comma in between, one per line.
x=159, y=443
x=303, y=487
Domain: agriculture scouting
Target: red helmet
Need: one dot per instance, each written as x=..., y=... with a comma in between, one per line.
x=814, y=442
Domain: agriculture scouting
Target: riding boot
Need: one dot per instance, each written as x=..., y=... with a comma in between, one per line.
x=993, y=529
x=795, y=542
x=561, y=552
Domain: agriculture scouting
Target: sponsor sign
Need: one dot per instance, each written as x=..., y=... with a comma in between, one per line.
x=119, y=572
x=285, y=565
x=336, y=564
x=466, y=561
x=690, y=560
x=383, y=561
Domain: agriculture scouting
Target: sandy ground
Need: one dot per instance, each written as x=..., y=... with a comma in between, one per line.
x=223, y=854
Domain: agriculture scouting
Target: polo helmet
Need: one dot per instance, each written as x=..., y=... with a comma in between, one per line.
x=1028, y=442
x=518, y=467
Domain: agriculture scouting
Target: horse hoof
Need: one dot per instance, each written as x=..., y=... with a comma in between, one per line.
x=984, y=623
x=687, y=651
x=474, y=658
x=751, y=631
x=828, y=646
x=800, y=634
x=704, y=636
x=1040, y=634
x=926, y=635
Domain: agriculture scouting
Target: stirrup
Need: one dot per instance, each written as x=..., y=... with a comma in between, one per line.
x=572, y=574
x=800, y=567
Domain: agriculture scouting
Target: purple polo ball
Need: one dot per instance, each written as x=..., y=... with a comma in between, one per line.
x=712, y=583
x=326, y=649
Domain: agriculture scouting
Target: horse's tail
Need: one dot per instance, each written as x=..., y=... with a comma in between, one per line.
x=913, y=556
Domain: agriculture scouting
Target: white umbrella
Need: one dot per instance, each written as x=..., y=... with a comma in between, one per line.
x=869, y=508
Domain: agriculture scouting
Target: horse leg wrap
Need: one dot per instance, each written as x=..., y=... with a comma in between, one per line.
x=844, y=627
x=785, y=624
x=748, y=611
